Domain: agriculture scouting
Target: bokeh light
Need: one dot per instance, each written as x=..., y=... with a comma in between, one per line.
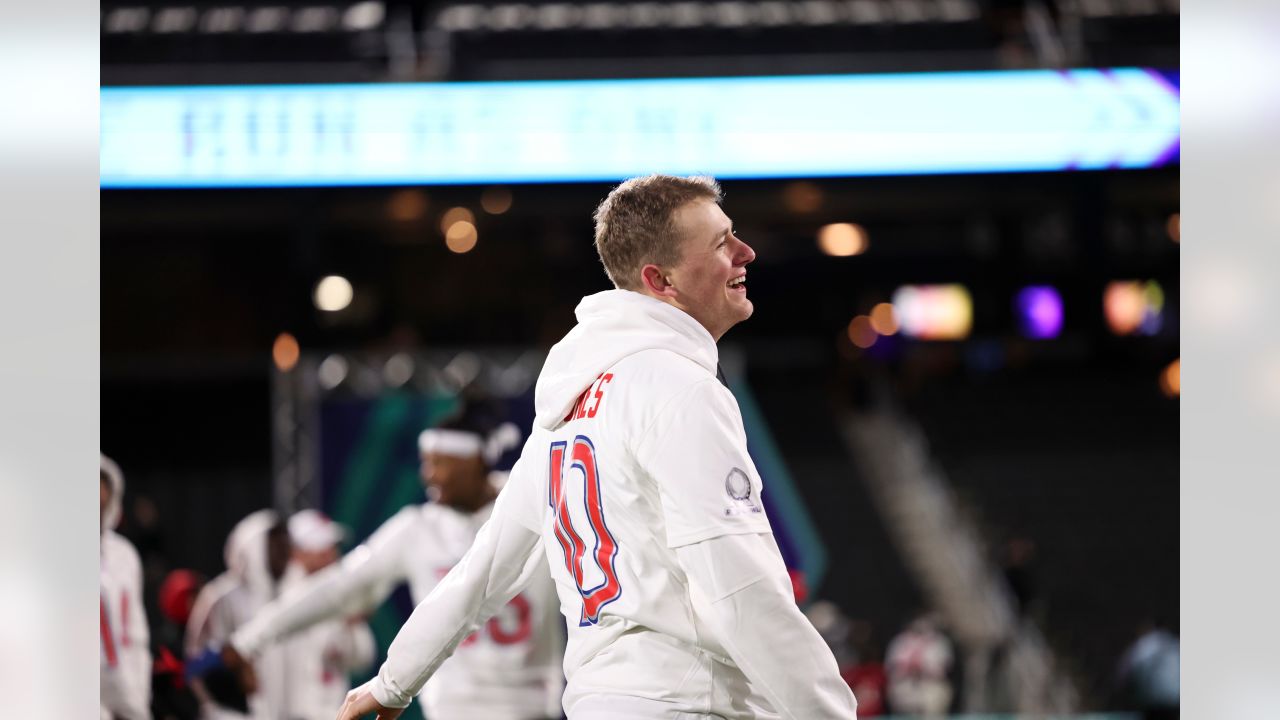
x=802, y=197
x=285, y=352
x=407, y=205
x=1170, y=380
x=333, y=293
x=842, y=239
x=455, y=215
x=495, y=200
x=861, y=334
x=1174, y=227
x=934, y=312
x=1133, y=307
x=883, y=319
x=461, y=237
x=1038, y=309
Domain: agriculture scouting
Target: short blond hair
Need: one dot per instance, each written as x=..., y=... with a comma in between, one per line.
x=635, y=223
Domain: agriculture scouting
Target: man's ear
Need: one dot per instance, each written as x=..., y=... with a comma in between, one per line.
x=656, y=281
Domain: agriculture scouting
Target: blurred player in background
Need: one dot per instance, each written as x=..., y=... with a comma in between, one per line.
x=320, y=659
x=508, y=668
x=637, y=488
x=257, y=554
x=918, y=664
x=125, y=675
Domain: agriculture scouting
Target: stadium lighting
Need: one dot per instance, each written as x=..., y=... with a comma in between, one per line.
x=1171, y=380
x=842, y=239
x=1133, y=307
x=333, y=293
x=861, y=333
x=883, y=319
x=285, y=352
x=454, y=215
x=461, y=237
x=267, y=19
x=934, y=312
x=127, y=20
x=1039, y=312
x=407, y=205
x=332, y=371
x=398, y=369
x=174, y=20
x=364, y=16
x=495, y=200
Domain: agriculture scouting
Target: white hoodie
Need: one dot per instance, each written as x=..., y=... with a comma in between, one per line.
x=231, y=600
x=125, y=676
x=637, y=487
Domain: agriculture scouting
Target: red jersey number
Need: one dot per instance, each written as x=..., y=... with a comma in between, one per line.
x=581, y=457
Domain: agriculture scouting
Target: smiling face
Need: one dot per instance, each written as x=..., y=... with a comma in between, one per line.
x=709, y=281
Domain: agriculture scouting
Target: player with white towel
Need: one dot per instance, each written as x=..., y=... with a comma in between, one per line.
x=636, y=487
x=507, y=667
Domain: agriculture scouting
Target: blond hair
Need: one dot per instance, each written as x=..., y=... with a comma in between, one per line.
x=635, y=223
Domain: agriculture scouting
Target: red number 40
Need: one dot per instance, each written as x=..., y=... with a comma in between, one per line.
x=582, y=458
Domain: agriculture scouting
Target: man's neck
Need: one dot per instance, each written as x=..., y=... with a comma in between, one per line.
x=677, y=305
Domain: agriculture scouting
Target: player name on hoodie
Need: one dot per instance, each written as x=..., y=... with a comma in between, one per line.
x=592, y=396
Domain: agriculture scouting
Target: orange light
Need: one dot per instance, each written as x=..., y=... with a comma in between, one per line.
x=1132, y=306
x=883, y=319
x=496, y=200
x=407, y=205
x=802, y=197
x=461, y=237
x=861, y=334
x=453, y=215
x=285, y=352
x=1170, y=379
x=1174, y=227
x=842, y=239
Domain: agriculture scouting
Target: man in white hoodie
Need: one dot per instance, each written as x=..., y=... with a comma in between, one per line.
x=637, y=489
x=125, y=657
x=256, y=554
x=510, y=667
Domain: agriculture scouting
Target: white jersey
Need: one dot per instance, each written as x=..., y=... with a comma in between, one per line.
x=507, y=668
x=319, y=660
x=637, y=487
x=125, y=653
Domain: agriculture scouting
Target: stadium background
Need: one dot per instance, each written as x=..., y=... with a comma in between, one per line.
x=217, y=401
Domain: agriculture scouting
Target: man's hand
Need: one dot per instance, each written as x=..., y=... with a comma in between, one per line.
x=360, y=703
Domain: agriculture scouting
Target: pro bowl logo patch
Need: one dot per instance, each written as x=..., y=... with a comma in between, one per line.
x=738, y=487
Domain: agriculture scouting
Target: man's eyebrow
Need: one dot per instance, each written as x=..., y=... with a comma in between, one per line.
x=720, y=235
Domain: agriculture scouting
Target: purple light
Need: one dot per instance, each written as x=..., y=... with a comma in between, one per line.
x=1039, y=310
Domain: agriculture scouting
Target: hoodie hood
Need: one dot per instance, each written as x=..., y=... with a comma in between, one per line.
x=111, y=517
x=613, y=325
x=246, y=551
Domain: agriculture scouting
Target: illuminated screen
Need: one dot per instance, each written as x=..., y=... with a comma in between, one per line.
x=564, y=131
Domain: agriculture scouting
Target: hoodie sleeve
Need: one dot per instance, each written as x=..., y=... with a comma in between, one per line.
x=503, y=560
x=741, y=589
x=359, y=583
x=696, y=451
